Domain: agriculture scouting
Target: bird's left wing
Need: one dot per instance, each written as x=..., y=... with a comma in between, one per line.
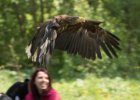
x=87, y=39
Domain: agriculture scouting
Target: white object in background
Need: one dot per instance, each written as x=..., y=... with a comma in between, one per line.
x=17, y=98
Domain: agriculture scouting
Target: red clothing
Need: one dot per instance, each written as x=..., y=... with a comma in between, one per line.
x=52, y=95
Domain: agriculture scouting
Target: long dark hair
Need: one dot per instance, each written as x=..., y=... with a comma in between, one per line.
x=33, y=88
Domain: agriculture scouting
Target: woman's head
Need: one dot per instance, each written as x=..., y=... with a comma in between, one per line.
x=40, y=81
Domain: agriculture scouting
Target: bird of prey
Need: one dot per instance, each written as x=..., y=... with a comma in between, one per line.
x=73, y=34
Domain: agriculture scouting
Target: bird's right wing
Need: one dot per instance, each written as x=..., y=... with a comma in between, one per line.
x=42, y=44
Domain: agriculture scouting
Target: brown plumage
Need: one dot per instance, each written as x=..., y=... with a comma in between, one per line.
x=75, y=35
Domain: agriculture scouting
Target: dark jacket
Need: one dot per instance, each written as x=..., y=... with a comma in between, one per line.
x=19, y=89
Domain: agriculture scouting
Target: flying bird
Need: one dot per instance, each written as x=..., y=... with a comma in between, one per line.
x=73, y=34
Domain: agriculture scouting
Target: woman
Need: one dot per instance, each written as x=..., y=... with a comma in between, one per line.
x=40, y=87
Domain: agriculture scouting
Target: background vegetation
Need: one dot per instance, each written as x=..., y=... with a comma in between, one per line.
x=74, y=77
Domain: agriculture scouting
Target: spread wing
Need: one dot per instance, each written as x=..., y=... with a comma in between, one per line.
x=74, y=35
x=87, y=39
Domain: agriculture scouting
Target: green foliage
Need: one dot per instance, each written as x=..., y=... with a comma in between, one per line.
x=111, y=79
x=88, y=88
x=19, y=18
x=8, y=77
x=93, y=88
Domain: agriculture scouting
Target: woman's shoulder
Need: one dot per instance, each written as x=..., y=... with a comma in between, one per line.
x=28, y=96
x=52, y=90
x=53, y=95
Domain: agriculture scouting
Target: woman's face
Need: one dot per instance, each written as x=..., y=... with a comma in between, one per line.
x=42, y=81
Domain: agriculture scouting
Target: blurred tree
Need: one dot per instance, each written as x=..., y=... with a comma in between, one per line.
x=19, y=19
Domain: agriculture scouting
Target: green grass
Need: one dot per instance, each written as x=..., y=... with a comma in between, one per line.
x=93, y=88
x=88, y=88
x=7, y=78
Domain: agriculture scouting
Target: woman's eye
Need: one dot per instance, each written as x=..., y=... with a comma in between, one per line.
x=39, y=77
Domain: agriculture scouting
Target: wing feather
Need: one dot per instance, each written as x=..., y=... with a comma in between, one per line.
x=113, y=42
x=91, y=49
x=111, y=49
x=86, y=39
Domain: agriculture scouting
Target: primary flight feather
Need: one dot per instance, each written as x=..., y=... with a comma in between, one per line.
x=73, y=34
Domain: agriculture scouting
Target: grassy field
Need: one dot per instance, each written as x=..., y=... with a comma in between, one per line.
x=88, y=88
